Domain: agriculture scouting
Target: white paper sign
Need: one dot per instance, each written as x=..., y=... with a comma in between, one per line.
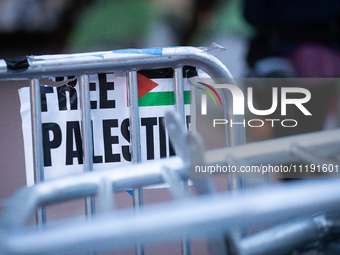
x=110, y=114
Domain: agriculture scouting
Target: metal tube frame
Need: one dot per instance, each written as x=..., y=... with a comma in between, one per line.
x=134, y=60
x=37, y=142
x=86, y=129
x=179, y=107
x=85, y=64
x=202, y=216
x=306, y=200
x=136, y=153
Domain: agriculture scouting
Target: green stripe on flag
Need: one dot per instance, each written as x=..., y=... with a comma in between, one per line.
x=161, y=98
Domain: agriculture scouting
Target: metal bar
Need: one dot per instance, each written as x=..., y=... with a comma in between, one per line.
x=235, y=135
x=37, y=142
x=175, y=182
x=86, y=129
x=278, y=151
x=179, y=95
x=24, y=203
x=137, y=199
x=93, y=62
x=179, y=106
x=284, y=238
x=310, y=157
x=193, y=108
x=135, y=130
x=200, y=216
x=135, y=144
x=105, y=195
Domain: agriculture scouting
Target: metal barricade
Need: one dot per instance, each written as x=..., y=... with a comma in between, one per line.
x=82, y=65
x=302, y=213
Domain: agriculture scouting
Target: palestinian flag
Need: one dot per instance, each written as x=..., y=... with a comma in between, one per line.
x=156, y=87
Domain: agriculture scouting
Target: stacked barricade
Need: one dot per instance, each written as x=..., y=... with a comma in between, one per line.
x=222, y=219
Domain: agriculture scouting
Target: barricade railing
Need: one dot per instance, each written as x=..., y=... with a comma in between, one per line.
x=305, y=212
x=102, y=183
x=300, y=213
x=34, y=68
x=202, y=217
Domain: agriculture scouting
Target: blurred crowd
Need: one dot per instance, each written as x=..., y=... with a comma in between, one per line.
x=47, y=26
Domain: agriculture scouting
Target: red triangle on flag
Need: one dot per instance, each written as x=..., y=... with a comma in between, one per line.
x=145, y=85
